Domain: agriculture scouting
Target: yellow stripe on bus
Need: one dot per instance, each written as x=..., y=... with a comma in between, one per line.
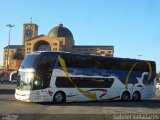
x=150, y=71
x=85, y=93
x=126, y=81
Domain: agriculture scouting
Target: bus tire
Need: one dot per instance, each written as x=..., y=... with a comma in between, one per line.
x=59, y=97
x=125, y=96
x=136, y=96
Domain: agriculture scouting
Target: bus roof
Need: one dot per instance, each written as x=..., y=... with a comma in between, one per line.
x=79, y=54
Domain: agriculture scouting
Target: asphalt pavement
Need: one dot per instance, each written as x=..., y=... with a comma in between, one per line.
x=10, y=108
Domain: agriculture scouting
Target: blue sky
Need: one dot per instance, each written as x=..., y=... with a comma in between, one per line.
x=131, y=26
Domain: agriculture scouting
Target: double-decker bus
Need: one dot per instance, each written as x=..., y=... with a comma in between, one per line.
x=62, y=77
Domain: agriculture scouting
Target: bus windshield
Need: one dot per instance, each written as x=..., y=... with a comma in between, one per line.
x=29, y=61
x=36, y=71
x=25, y=80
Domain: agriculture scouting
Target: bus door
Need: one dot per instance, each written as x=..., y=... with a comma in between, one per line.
x=41, y=85
x=38, y=91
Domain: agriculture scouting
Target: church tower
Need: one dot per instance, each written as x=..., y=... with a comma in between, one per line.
x=30, y=30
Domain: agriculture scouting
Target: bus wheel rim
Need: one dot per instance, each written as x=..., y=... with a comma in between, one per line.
x=135, y=96
x=125, y=97
x=58, y=97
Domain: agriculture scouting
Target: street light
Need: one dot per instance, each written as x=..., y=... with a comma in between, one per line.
x=10, y=26
x=139, y=56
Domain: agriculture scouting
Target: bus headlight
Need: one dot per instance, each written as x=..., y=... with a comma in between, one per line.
x=29, y=77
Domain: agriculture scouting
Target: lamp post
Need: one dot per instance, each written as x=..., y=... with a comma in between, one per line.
x=139, y=56
x=10, y=26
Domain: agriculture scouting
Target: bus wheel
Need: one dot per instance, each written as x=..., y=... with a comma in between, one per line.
x=59, y=97
x=136, y=96
x=125, y=96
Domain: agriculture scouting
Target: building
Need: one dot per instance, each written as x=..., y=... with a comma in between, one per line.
x=59, y=38
x=97, y=50
x=15, y=55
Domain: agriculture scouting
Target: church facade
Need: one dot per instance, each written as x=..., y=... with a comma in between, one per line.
x=59, y=38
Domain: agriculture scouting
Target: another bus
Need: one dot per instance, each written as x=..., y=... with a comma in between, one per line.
x=62, y=77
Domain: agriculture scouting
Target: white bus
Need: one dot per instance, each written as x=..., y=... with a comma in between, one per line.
x=62, y=77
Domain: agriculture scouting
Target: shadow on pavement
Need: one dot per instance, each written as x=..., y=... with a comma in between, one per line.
x=7, y=91
x=155, y=104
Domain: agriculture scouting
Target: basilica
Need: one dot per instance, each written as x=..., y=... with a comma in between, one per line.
x=59, y=38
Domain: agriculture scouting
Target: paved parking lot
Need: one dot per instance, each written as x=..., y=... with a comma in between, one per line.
x=90, y=110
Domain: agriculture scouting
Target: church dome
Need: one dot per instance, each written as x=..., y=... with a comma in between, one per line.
x=60, y=31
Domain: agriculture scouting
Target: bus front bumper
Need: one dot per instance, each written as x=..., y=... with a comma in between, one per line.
x=23, y=95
